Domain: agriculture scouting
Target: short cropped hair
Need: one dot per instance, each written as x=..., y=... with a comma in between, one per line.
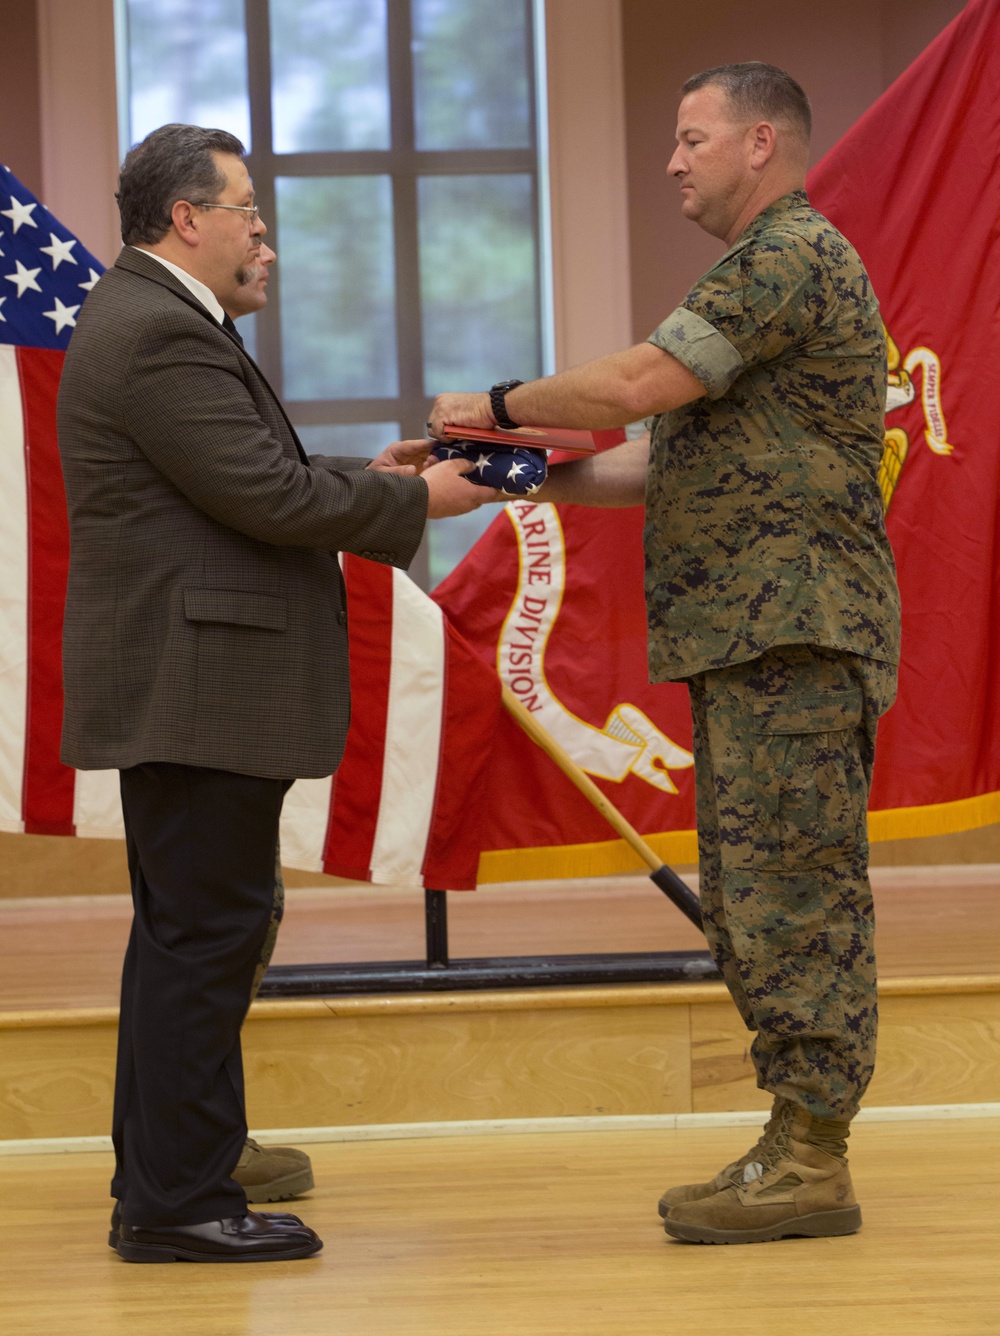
x=174, y=162
x=758, y=91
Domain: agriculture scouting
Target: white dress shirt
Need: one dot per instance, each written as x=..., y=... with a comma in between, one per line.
x=197, y=289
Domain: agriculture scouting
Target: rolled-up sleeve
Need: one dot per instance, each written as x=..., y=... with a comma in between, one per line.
x=701, y=348
x=764, y=300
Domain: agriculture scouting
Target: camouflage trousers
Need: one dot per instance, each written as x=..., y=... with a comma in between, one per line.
x=783, y=749
x=277, y=913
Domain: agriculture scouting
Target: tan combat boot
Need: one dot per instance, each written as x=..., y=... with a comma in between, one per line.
x=781, y=1114
x=799, y=1186
x=273, y=1173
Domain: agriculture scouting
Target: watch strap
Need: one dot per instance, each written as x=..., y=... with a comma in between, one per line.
x=498, y=405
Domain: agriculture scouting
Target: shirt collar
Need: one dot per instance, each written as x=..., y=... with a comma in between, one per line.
x=795, y=199
x=197, y=289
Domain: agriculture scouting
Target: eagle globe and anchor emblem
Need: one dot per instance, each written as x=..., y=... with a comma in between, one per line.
x=630, y=742
x=902, y=391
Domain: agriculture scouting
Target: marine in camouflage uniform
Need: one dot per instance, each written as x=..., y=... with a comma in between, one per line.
x=771, y=590
x=274, y=923
x=272, y=1173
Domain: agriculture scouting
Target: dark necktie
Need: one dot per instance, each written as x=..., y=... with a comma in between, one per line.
x=227, y=324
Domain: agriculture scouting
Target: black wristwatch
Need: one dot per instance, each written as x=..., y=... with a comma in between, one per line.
x=498, y=395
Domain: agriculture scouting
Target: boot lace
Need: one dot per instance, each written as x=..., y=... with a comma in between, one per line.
x=772, y=1146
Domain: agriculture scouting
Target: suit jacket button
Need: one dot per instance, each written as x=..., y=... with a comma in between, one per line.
x=342, y=617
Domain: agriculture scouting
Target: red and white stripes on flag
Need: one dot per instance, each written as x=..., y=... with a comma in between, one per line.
x=36, y=791
x=404, y=807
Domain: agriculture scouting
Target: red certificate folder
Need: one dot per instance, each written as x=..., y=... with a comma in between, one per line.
x=544, y=438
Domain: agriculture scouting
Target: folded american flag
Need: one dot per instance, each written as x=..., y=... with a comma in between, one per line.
x=515, y=470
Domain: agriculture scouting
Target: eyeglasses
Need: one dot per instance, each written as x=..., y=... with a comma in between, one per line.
x=251, y=210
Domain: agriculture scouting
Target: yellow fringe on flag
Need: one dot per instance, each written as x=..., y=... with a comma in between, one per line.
x=604, y=859
x=905, y=823
x=608, y=858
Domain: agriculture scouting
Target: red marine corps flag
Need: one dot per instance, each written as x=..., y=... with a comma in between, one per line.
x=915, y=185
x=553, y=594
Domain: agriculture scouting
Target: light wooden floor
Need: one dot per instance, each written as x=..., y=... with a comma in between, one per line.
x=540, y=1235
x=67, y=951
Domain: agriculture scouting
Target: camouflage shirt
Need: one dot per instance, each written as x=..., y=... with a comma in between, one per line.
x=764, y=520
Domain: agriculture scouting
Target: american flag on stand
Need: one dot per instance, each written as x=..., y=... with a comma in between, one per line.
x=45, y=275
x=406, y=805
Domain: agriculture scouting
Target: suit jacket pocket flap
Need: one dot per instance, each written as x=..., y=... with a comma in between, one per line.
x=826, y=713
x=237, y=607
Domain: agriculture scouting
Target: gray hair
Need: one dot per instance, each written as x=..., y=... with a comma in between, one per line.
x=757, y=91
x=174, y=162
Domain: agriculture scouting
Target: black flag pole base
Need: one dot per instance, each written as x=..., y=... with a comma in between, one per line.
x=416, y=976
x=679, y=893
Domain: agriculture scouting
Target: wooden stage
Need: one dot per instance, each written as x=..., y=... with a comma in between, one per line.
x=64, y=952
x=523, y=1053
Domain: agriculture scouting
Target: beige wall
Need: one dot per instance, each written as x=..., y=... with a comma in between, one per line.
x=58, y=112
x=79, y=119
x=588, y=184
x=845, y=55
x=20, y=127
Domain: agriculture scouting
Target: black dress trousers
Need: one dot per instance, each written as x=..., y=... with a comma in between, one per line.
x=201, y=851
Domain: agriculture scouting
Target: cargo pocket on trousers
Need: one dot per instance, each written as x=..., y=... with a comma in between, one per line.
x=809, y=780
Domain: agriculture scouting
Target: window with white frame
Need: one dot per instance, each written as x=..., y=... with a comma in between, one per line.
x=395, y=151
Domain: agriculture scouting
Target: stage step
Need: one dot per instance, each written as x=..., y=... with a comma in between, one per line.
x=524, y=1053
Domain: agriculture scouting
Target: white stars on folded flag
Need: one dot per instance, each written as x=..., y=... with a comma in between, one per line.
x=515, y=470
x=94, y=276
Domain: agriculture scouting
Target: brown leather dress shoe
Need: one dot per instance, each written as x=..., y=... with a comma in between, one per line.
x=255, y=1237
x=116, y=1221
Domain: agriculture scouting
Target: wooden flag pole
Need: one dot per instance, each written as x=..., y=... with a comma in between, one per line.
x=664, y=877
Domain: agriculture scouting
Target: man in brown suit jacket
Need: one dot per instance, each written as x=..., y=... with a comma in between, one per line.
x=205, y=657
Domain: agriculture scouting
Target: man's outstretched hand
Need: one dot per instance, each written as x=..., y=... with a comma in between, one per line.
x=459, y=410
x=450, y=493
x=405, y=457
